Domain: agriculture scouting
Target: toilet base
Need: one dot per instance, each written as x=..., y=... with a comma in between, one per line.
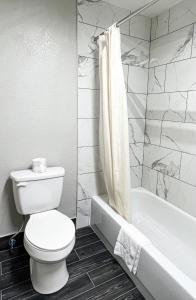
x=48, y=278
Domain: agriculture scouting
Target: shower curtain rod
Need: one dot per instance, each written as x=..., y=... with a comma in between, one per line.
x=131, y=15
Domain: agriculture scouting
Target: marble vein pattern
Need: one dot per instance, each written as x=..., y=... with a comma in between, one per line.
x=136, y=154
x=191, y=108
x=179, y=136
x=153, y=132
x=156, y=83
x=182, y=15
x=102, y=14
x=160, y=25
x=136, y=176
x=149, y=179
x=163, y=160
x=135, y=52
x=83, y=213
x=180, y=76
x=136, y=131
x=172, y=47
x=176, y=192
x=167, y=106
x=88, y=73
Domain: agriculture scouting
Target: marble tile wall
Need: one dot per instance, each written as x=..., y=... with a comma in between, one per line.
x=169, y=166
x=93, y=18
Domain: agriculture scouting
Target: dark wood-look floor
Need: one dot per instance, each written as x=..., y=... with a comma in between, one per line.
x=94, y=274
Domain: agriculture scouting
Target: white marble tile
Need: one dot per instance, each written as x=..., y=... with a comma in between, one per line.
x=191, y=107
x=182, y=14
x=88, y=103
x=88, y=73
x=179, y=136
x=156, y=83
x=153, y=132
x=137, y=80
x=149, y=179
x=136, y=104
x=140, y=27
x=177, y=193
x=101, y=13
x=88, y=131
x=172, y=47
x=90, y=184
x=134, y=51
x=188, y=168
x=86, y=45
x=125, y=71
x=181, y=76
x=161, y=159
x=136, y=130
x=88, y=160
x=136, y=154
x=83, y=213
x=160, y=25
x=194, y=42
x=167, y=106
x=136, y=177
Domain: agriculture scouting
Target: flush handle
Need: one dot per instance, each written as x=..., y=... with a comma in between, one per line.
x=21, y=184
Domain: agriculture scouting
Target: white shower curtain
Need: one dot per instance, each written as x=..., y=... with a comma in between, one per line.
x=113, y=127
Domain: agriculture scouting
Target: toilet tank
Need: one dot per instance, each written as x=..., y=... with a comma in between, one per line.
x=37, y=192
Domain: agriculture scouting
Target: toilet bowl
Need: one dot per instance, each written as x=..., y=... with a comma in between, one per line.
x=49, y=238
x=49, y=235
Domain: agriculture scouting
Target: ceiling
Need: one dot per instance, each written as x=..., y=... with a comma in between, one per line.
x=154, y=10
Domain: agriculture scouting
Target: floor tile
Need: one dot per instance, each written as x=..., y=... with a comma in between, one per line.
x=131, y=295
x=83, y=231
x=86, y=240
x=12, y=278
x=7, y=254
x=89, y=264
x=91, y=249
x=72, y=257
x=17, y=290
x=105, y=273
x=109, y=290
x=15, y=263
x=73, y=288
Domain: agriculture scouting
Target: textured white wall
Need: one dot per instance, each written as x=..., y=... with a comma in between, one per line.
x=38, y=95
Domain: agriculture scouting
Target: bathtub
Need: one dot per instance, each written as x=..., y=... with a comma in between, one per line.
x=167, y=266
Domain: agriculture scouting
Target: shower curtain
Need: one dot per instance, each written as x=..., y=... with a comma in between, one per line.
x=113, y=126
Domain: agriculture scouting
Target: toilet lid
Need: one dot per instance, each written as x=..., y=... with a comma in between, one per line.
x=50, y=230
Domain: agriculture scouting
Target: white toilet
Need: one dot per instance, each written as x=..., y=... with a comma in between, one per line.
x=49, y=235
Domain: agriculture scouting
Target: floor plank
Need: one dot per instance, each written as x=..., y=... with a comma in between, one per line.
x=89, y=264
x=109, y=290
x=86, y=240
x=105, y=273
x=90, y=250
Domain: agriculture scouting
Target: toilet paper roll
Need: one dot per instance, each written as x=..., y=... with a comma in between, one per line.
x=39, y=165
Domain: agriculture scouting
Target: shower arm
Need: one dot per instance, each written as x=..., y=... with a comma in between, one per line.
x=131, y=15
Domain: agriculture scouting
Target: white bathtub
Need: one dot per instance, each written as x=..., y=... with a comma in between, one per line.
x=167, y=267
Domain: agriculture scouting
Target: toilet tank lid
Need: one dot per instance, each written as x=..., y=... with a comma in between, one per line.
x=29, y=175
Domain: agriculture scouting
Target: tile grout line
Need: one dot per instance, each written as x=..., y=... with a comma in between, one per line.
x=124, y=294
x=95, y=286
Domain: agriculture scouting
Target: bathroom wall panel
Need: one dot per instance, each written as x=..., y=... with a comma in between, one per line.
x=93, y=17
x=38, y=95
x=170, y=134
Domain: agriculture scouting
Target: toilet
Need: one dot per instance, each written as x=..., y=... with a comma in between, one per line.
x=49, y=235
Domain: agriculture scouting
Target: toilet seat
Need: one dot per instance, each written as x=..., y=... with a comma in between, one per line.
x=49, y=235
